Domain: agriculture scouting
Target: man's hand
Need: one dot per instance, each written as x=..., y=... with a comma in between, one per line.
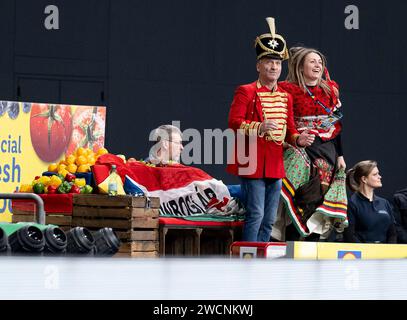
x=268, y=125
x=305, y=139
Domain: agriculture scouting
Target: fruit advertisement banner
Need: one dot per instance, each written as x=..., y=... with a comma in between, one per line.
x=34, y=135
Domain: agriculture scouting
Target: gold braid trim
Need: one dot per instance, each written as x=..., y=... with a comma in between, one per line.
x=250, y=129
x=275, y=108
x=272, y=94
x=279, y=105
x=275, y=99
x=272, y=115
x=271, y=135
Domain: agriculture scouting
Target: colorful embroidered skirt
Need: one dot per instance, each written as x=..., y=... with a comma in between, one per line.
x=328, y=215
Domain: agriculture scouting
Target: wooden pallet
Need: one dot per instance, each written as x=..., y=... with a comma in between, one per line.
x=134, y=219
x=59, y=219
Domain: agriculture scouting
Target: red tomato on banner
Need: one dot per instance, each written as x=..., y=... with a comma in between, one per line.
x=88, y=129
x=50, y=129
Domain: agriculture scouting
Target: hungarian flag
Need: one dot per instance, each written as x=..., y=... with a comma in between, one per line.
x=183, y=190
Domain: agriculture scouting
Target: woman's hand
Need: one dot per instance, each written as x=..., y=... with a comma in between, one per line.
x=305, y=139
x=341, y=163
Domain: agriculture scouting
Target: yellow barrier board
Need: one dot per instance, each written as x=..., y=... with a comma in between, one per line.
x=345, y=251
x=33, y=135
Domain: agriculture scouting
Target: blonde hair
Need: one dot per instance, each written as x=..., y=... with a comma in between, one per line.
x=295, y=69
x=361, y=169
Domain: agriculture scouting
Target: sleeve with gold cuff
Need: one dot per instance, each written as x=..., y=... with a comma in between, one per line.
x=251, y=128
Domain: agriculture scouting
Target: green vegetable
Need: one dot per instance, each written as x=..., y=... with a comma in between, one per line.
x=39, y=188
x=86, y=189
x=65, y=187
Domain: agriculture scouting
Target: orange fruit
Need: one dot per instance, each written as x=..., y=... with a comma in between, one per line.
x=80, y=152
x=91, y=160
x=83, y=168
x=61, y=166
x=102, y=151
x=70, y=159
x=62, y=161
x=81, y=160
x=53, y=167
x=72, y=168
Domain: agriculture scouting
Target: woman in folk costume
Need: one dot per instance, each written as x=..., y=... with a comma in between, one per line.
x=314, y=190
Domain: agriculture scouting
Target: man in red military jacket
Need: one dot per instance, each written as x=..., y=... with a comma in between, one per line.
x=262, y=115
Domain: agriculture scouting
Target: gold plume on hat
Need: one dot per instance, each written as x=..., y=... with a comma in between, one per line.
x=272, y=25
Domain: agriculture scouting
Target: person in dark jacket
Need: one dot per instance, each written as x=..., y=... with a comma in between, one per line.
x=400, y=214
x=370, y=217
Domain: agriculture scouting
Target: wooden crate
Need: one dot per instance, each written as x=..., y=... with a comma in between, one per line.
x=134, y=219
x=60, y=219
x=197, y=240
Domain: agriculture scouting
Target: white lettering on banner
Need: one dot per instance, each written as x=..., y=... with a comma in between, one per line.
x=183, y=202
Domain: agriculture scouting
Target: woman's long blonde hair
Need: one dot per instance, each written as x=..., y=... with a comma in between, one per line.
x=296, y=65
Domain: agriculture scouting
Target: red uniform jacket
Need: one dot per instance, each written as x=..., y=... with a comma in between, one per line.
x=253, y=103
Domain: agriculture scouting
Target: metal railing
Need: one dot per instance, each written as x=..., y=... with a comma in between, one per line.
x=30, y=196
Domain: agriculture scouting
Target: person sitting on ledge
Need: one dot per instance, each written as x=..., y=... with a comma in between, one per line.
x=370, y=217
x=177, y=185
x=167, y=148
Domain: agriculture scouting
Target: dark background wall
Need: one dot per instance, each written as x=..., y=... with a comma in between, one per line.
x=152, y=62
